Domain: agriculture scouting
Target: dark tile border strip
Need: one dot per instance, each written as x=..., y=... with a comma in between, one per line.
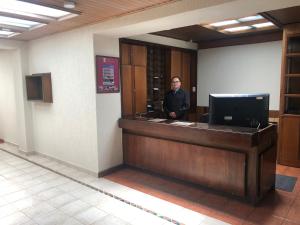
x=99, y=190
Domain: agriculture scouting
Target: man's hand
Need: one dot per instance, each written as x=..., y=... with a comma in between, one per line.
x=172, y=114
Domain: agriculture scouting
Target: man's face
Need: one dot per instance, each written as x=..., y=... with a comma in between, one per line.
x=175, y=84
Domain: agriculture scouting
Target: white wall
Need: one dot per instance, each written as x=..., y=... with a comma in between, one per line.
x=251, y=68
x=66, y=129
x=19, y=58
x=108, y=112
x=8, y=114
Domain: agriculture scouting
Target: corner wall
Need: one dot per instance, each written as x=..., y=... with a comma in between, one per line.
x=8, y=110
x=67, y=129
x=108, y=112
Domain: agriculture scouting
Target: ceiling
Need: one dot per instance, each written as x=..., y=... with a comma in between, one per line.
x=201, y=34
x=90, y=11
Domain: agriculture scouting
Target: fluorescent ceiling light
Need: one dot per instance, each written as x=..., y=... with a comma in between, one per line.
x=19, y=7
x=3, y=32
x=17, y=22
x=224, y=23
x=235, y=29
x=69, y=4
x=250, y=18
x=261, y=25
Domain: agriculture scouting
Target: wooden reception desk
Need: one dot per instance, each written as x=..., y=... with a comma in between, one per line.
x=233, y=160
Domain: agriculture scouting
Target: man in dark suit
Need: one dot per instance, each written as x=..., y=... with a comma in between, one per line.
x=176, y=102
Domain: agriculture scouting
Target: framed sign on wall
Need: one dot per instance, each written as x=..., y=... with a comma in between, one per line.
x=107, y=74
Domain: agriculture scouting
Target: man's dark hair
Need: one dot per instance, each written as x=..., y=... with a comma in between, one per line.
x=178, y=77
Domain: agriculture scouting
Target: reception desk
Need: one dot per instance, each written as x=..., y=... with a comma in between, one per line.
x=235, y=161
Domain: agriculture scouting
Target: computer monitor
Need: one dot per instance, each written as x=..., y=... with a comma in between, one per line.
x=244, y=110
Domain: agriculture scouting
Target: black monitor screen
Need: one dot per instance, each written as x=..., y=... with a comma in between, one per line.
x=244, y=110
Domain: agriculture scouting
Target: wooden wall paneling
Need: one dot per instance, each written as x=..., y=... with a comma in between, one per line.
x=140, y=87
x=125, y=54
x=193, y=82
x=127, y=90
x=168, y=70
x=289, y=141
x=210, y=167
x=186, y=71
x=283, y=71
x=139, y=55
x=176, y=63
x=249, y=39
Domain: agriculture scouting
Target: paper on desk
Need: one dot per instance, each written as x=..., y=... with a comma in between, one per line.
x=182, y=123
x=157, y=120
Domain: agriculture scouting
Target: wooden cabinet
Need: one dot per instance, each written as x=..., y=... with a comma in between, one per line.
x=139, y=55
x=127, y=90
x=39, y=87
x=289, y=129
x=176, y=63
x=146, y=71
x=289, y=141
x=140, y=89
x=186, y=71
x=134, y=79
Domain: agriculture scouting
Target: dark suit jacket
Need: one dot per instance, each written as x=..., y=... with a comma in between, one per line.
x=177, y=102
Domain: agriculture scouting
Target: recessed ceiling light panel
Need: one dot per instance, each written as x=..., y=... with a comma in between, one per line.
x=250, y=18
x=236, y=29
x=20, y=7
x=17, y=22
x=69, y=4
x=224, y=23
x=3, y=32
x=261, y=25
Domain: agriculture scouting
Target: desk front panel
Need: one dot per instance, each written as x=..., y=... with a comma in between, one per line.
x=210, y=167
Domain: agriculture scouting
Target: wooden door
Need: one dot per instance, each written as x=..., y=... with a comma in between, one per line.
x=176, y=63
x=127, y=90
x=186, y=71
x=289, y=141
x=140, y=87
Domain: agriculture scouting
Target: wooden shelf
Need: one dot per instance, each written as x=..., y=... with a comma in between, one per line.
x=293, y=54
x=39, y=87
x=292, y=95
x=290, y=115
x=292, y=75
x=289, y=131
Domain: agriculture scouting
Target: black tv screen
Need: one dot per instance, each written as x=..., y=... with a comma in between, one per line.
x=244, y=110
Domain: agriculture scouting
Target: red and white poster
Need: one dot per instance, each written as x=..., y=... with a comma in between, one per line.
x=107, y=74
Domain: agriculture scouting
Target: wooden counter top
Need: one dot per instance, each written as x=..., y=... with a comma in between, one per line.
x=198, y=133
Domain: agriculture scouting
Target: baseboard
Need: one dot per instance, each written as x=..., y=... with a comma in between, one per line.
x=94, y=174
x=110, y=170
x=24, y=154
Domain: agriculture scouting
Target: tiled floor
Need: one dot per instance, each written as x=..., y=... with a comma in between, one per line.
x=58, y=194
x=55, y=194
x=278, y=208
